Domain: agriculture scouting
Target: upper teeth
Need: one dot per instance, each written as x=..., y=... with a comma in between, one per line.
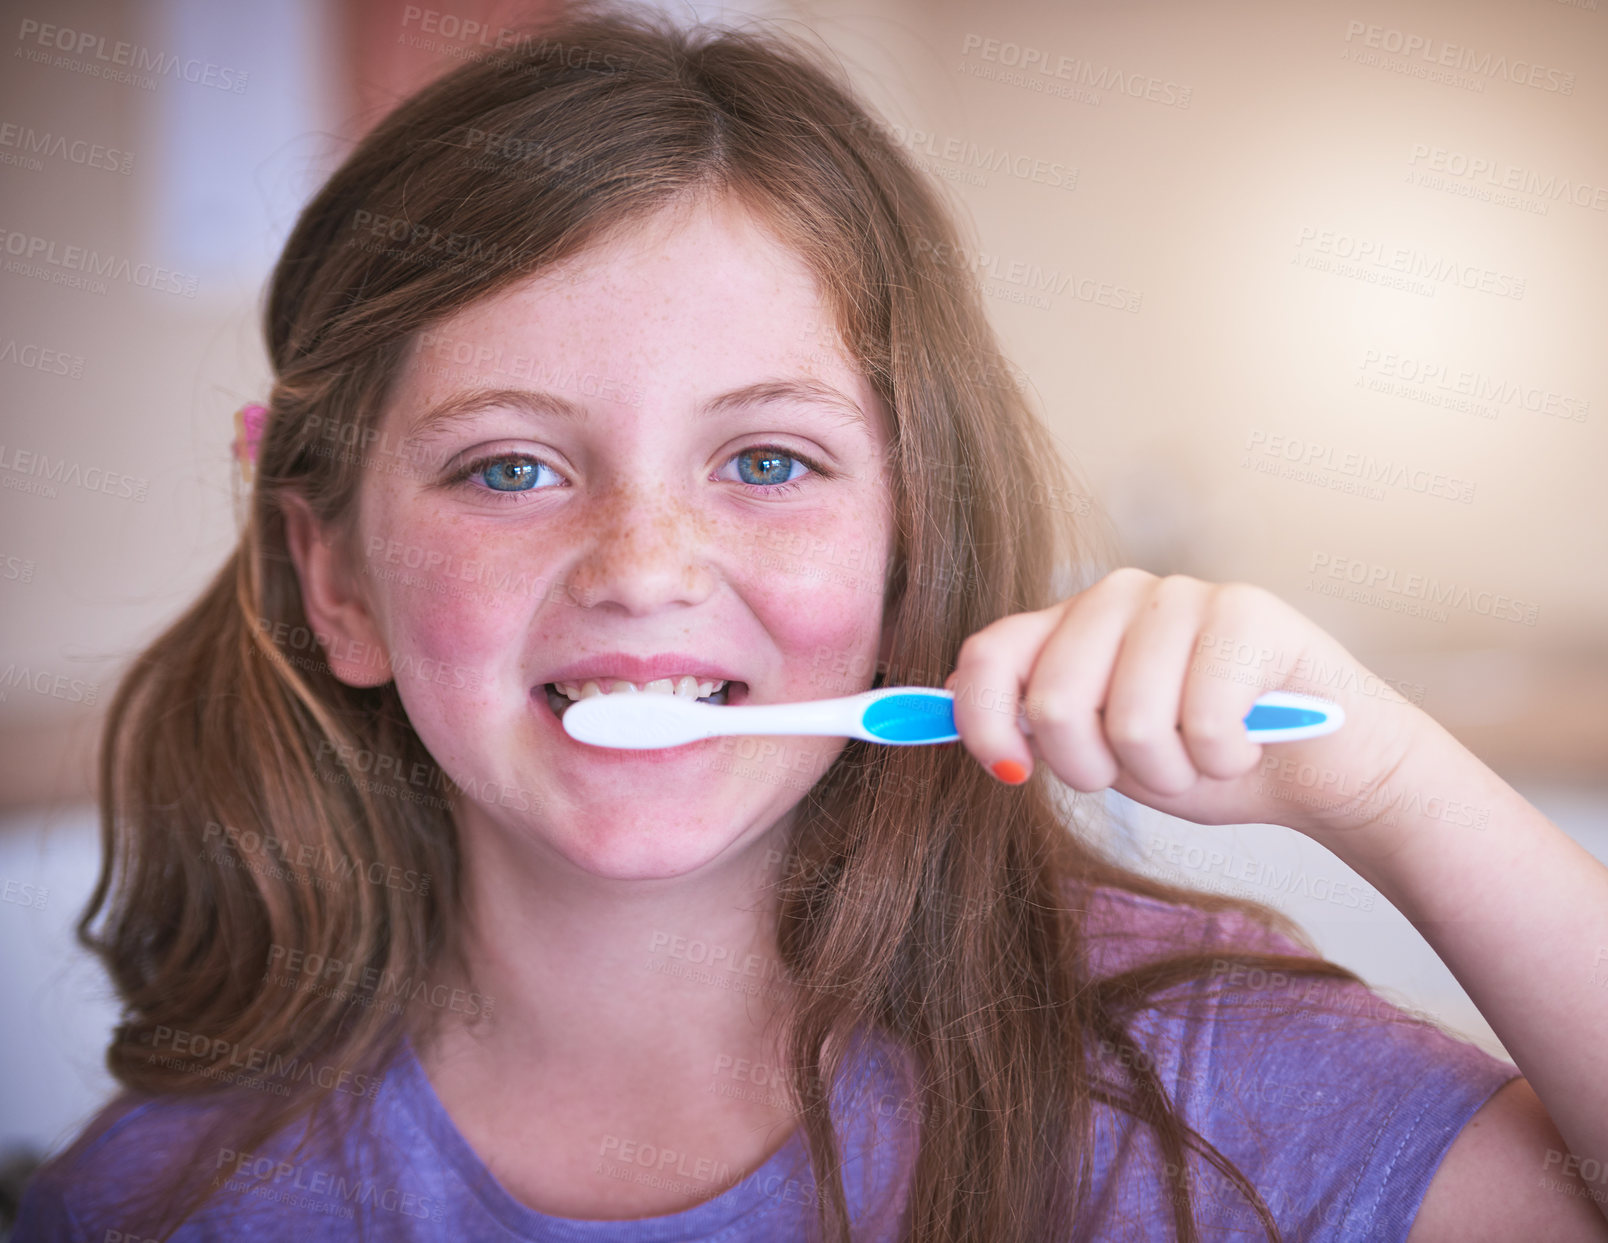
x=687, y=686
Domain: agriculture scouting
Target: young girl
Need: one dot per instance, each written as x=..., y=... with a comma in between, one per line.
x=628, y=360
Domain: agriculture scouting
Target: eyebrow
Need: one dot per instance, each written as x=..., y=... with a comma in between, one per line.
x=463, y=406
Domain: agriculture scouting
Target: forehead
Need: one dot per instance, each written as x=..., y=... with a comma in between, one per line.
x=699, y=297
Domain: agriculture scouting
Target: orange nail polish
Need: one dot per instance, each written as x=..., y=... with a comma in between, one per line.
x=1009, y=771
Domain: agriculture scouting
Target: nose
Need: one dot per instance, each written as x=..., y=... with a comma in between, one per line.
x=642, y=550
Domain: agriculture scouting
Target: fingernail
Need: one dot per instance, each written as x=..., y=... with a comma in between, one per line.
x=1009, y=771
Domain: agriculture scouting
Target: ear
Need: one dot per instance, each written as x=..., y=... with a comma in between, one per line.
x=331, y=596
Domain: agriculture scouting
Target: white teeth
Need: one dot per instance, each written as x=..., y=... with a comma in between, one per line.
x=687, y=687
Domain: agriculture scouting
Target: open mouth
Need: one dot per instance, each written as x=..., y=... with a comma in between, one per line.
x=560, y=695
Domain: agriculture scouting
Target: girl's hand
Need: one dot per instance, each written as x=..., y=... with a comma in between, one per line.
x=1142, y=684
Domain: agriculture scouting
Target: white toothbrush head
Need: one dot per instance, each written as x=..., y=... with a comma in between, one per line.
x=639, y=722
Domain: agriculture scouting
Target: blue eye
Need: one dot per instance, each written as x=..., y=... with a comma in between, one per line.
x=505, y=474
x=765, y=470
x=772, y=465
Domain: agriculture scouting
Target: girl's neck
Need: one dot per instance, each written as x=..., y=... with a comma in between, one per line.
x=652, y=1019
x=561, y=971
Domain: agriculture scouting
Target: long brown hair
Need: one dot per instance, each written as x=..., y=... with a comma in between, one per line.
x=920, y=898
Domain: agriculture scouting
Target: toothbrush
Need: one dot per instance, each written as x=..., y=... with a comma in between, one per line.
x=894, y=715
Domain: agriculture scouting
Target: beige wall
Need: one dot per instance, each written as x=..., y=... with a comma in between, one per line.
x=1211, y=218
x=137, y=430
x=1299, y=123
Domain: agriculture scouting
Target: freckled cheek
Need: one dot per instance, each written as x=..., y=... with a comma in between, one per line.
x=823, y=612
x=456, y=620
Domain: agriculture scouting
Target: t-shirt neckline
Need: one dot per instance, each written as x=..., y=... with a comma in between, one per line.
x=745, y=1202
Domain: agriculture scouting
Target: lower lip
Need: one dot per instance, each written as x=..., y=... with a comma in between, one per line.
x=622, y=755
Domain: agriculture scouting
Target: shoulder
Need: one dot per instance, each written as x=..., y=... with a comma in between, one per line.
x=79, y=1193
x=117, y=1171
x=1123, y=930
x=1337, y=1104
x=1231, y=1014
x=1510, y=1175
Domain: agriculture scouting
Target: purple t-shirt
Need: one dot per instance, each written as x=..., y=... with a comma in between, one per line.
x=1335, y=1107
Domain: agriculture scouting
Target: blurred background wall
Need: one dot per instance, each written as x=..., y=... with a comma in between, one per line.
x=1313, y=296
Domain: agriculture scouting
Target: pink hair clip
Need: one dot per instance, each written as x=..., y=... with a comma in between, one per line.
x=249, y=420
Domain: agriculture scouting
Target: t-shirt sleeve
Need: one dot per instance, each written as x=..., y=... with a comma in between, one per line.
x=82, y=1194
x=1337, y=1105
x=43, y=1216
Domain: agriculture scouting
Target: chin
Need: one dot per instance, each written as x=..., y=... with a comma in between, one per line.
x=644, y=845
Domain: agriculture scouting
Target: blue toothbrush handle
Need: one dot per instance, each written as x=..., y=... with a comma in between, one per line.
x=1284, y=716
x=912, y=715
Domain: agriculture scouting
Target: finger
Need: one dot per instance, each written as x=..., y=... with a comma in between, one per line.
x=987, y=683
x=1068, y=684
x=1212, y=714
x=1146, y=692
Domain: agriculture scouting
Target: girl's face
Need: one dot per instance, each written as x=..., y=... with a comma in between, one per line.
x=653, y=461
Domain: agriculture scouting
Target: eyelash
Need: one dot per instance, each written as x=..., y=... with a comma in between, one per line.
x=462, y=476
x=777, y=489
